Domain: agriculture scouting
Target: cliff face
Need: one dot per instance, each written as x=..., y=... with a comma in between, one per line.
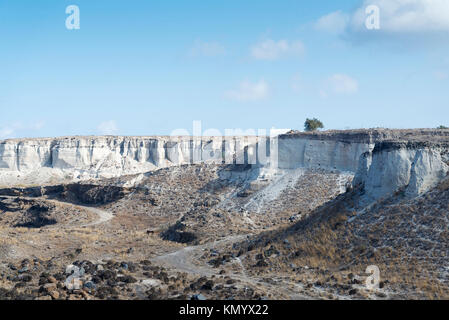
x=330, y=154
x=383, y=161
x=95, y=157
x=411, y=168
x=114, y=156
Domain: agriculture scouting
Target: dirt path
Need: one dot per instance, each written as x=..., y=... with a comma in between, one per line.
x=184, y=260
x=103, y=216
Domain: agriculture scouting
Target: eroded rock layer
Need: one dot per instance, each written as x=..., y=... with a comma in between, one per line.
x=382, y=161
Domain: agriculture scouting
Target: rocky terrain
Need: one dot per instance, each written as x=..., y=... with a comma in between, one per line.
x=297, y=216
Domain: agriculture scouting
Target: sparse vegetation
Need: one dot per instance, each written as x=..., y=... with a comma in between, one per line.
x=217, y=232
x=407, y=240
x=313, y=125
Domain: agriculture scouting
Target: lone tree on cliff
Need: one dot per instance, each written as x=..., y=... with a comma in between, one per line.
x=313, y=125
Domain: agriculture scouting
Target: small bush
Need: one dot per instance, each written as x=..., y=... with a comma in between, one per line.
x=313, y=125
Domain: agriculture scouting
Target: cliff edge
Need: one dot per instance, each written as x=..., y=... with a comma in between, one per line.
x=381, y=161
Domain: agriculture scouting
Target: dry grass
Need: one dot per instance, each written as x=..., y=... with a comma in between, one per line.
x=407, y=240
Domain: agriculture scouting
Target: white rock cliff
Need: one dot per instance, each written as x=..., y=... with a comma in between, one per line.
x=401, y=167
x=380, y=160
x=35, y=161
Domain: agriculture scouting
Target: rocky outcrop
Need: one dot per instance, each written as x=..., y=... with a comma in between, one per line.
x=329, y=154
x=383, y=161
x=31, y=161
x=412, y=168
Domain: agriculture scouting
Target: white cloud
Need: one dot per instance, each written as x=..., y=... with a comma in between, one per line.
x=407, y=16
x=6, y=132
x=248, y=91
x=297, y=83
x=323, y=94
x=334, y=22
x=397, y=18
x=340, y=84
x=273, y=50
x=18, y=128
x=441, y=75
x=37, y=125
x=207, y=49
x=107, y=127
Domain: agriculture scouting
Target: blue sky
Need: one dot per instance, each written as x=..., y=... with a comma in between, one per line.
x=150, y=67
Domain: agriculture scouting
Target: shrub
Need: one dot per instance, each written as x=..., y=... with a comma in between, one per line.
x=313, y=125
